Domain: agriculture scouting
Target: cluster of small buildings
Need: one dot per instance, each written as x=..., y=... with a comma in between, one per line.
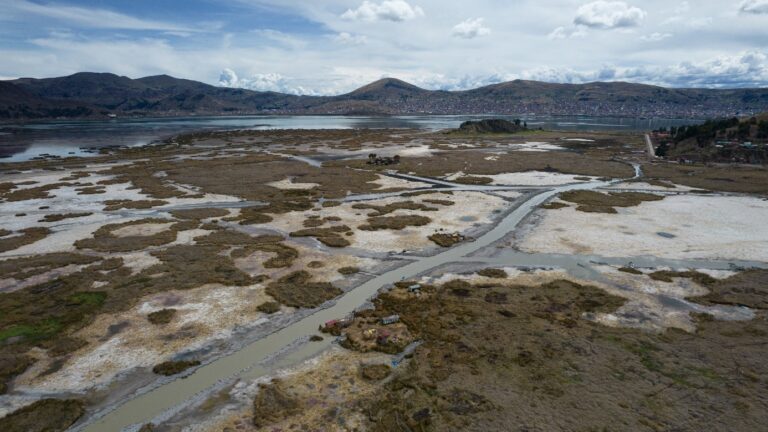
x=374, y=159
x=736, y=144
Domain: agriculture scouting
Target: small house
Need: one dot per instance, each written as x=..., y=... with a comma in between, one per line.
x=383, y=337
x=390, y=319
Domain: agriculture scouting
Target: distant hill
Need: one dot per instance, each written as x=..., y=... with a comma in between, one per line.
x=96, y=95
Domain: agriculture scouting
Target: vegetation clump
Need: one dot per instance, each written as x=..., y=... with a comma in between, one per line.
x=11, y=365
x=445, y=239
x=631, y=270
x=105, y=241
x=298, y=290
x=554, y=205
x=474, y=180
x=389, y=208
x=394, y=222
x=59, y=217
x=748, y=288
x=269, y=307
x=251, y=216
x=439, y=202
x=174, y=367
x=668, y=275
x=347, y=271
x=328, y=236
x=285, y=255
x=201, y=213
x=45, y=415
x=273, y=404
x=163, y=316
x=91, y=190
x=596, y=202
x=494, y=273
x=38, y=192
x=27, y=236
x=114, y=205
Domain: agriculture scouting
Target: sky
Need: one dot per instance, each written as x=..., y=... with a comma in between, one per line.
x=327, y=47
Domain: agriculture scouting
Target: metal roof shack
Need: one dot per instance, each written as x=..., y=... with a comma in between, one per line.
x=390, y=319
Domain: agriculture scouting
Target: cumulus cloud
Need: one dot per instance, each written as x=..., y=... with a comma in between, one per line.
x=263, y=82
x=655, y=37
x=388, y=10
x=470, y=29
x=745, y=69
x=609, y=15
x=754, y=7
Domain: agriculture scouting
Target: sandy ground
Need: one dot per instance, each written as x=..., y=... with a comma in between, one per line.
x=651, y=305
x=656, y=306
x=329, y=272
x=534, y=178
x=204, y=314
x=138, y=261
x=469, y=210
x=536, y=147
x=386, y=182
x=147, y=229
x=289, y=184
x=19, y=215
x=705, y=227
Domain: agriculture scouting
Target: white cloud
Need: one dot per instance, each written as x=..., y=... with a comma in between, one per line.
x=326, y=54
x=745, y=69
x=567, y=33
x=388, y=10
x=350, y=39
x=262, y=82
x=655, y=37
x=608, y=15
x=93, y=17
x=281, y=38
x=754, y=7
x=470, y=29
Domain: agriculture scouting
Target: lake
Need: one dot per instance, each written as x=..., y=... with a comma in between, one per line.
x=19, y=142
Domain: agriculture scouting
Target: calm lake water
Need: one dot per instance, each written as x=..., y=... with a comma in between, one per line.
x=20, y=142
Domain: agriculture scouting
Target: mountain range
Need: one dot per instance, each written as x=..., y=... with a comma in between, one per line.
x=101, y=95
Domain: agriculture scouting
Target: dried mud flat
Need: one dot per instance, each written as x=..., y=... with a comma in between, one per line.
x=151, y=262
